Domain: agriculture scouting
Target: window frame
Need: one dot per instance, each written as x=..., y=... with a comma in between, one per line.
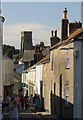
x=66, y=95
x=68, y=59
x=52, y=63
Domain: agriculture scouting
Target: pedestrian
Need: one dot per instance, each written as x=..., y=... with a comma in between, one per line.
x=17, y=100
x=37, y=104
x=13, y=96
x=14, y=113
x=6, y=103
x=31, y=100
x=26, y=97
x=28, y=103
x=22, y=102
x=34, y=98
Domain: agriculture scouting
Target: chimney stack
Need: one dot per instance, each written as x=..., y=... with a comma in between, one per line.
x=64, y=29
x=74, y=26
x=54, y=39
x=38, y=52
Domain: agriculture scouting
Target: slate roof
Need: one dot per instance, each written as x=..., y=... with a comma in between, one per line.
x=44, y=60
x=17, y=77
x=28, y=56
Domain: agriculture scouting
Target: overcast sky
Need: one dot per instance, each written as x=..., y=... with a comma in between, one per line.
x=40, y=18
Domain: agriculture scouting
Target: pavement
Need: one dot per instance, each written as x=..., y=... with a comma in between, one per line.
x=32, y=115
x=46, y=115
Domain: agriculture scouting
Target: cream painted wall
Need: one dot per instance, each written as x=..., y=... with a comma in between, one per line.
x=7, y=71
x=29, y=77
x=46, y=85
x=60, y=56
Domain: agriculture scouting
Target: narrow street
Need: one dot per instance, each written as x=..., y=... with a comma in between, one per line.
x=22, y=116
x=41, y=54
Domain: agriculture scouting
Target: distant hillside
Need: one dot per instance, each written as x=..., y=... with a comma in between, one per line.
x=11, y=52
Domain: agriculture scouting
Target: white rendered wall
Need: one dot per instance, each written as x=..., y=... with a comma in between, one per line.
x=38, y=78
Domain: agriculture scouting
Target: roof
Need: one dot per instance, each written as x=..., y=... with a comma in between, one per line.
x=16, y=66
x=17, y=77
x=28, y=69
x=28, y=56
x=44, y=60
x=46, y=51
x=71, y=36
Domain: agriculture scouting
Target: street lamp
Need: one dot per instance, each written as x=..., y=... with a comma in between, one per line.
x=1, y=44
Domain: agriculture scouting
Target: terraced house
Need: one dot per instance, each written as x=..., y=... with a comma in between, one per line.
x=62, y=58
x=57, y=77
x=62, y=91
x=7, y=78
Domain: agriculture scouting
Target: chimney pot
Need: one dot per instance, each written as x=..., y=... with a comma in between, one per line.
x=52, y=33
x=65, y=13
x=55, y=33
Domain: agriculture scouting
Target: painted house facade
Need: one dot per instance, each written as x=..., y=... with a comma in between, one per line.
x=62, y=80
x=46, y=83
x=38, y=79
x=63, y=76
x=28, y=80
x=78, y=77
x=31, y=81
x=57, y=79
x=7, y=76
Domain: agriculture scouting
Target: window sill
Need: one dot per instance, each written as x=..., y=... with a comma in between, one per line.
x=67, y=68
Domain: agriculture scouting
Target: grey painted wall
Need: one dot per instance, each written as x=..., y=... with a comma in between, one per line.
x=78, y=76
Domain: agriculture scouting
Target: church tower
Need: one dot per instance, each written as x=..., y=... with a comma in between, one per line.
x=26, y=41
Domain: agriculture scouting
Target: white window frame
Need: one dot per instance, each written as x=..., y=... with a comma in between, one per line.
x=52, y=64
x=68, y=59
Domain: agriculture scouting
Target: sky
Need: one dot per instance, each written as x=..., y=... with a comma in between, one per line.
x=38, y=17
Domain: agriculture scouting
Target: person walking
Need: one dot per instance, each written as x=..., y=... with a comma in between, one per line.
x=22, y=102
x=34, y=98
x=31, y=100
x=37, y=104
x=14, y=113
x=17, y=100
x=25, y=98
